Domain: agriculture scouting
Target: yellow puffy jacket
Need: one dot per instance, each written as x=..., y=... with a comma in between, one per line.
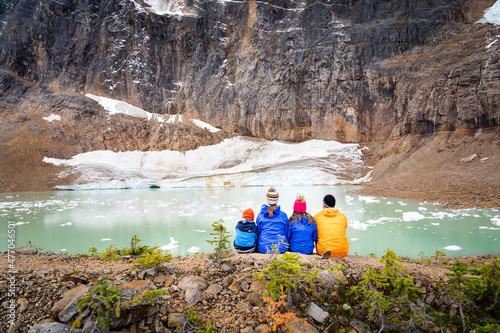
x=332, y=225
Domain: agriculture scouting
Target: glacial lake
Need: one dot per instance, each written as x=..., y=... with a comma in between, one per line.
x=180, y=219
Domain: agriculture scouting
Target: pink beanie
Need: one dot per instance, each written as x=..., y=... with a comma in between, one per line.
x=300, y=205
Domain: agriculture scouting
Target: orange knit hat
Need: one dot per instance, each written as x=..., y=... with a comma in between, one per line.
x=248, y=214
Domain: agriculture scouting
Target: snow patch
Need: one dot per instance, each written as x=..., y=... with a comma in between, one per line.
x=205, y=125
x=114, y=106
x=52, y=117
x=169, y=7
x=363, y=180
x=492, y=14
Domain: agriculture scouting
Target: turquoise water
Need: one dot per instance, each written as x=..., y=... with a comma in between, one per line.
x=179, y=219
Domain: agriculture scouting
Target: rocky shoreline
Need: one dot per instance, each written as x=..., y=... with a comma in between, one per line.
x=225, y=294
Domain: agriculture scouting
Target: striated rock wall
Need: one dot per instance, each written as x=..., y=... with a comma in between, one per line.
x=348, y=70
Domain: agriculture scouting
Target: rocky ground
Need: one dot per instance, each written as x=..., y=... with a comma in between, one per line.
x=459, y=169
x=229, y=297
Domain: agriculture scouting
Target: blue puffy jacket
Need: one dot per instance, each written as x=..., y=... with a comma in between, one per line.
x=270, y=228
x=246, y=233
x=301, y=236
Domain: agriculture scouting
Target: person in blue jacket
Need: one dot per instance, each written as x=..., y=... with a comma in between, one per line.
x=302, y=231
x=246, y=233
x=272, y=224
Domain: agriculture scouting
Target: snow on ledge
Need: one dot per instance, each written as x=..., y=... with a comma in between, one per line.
x=205, y=125
x=168, y=7
x=492, y=14
x=114, y=106
x=52, y=117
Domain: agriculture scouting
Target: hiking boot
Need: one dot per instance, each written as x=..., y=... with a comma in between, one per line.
x=326, y=255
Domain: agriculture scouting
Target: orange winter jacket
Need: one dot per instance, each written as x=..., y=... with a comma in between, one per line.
x=332, y=225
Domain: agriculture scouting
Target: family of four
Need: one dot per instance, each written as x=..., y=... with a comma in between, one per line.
x=300, y=233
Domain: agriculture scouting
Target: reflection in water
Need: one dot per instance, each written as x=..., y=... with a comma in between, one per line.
x=179, y=219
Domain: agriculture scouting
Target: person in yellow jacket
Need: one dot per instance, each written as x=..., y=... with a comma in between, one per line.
x=332, y=225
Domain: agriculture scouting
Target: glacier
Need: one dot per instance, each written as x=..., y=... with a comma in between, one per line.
x=238, y=161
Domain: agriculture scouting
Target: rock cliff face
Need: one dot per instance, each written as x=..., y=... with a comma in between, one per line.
x=346, y=70
x=350, y=70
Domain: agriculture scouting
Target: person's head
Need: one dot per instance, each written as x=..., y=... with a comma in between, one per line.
x=299, y=211
x=272, y=198
x=329, y=201
x=248, y=214
x=299, y=205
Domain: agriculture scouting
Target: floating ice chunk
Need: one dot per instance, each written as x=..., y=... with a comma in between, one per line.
x=52, y=117
x=358, y=225
x=496, y=220
x=437, y=223
x=194, y=249
x=422, y=209
x=20, y=223
x=65, y=224
x=354, y=239
x=488, y=228
x=412, y=216
x=172, y=245
x=453, y=248
x=105, y=239
x=199, y=230
x=442, y=215
x=369, y=199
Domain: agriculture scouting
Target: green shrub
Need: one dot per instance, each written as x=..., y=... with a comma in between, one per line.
x=153, y=258
x=286, y=275
x=104, y=298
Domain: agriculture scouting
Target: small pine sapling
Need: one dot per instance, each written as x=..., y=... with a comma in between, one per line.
x=111, y=253
x=490, y=275
x=220, y=240
x=438, y=255
x=457, y=283
x=286, y=275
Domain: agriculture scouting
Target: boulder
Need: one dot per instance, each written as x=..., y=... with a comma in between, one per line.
x=65, y=308
x=49, y=327
x=193, y=294
x=188, y=280
x=25, y=250
x=317, y=313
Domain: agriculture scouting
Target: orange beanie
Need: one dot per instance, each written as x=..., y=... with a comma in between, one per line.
x=248, y=214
